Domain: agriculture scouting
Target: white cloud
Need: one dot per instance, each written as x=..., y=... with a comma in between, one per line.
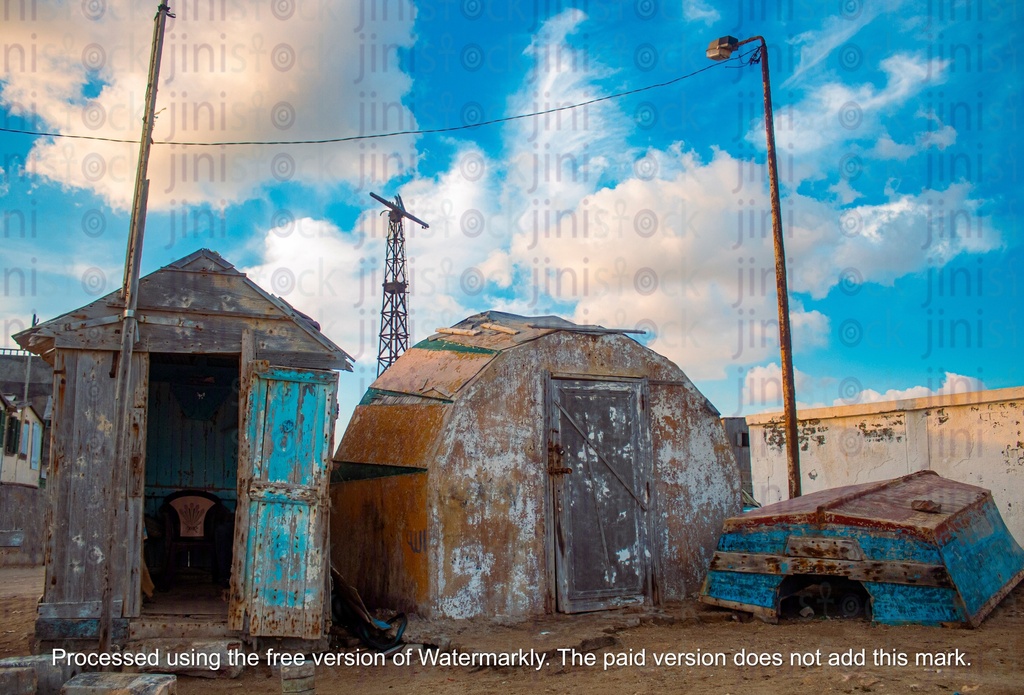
x=761, y=389
x=884, y=241
x=834, y=113
x=700, y=11
x=229, y=73
x=940, y=137
x=816, y=46
x=570, y=221
x=951, y=384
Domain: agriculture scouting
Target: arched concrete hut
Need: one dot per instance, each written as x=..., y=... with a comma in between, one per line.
x=515, y=466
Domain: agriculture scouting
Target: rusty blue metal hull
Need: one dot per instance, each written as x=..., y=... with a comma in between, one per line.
x=926, y=550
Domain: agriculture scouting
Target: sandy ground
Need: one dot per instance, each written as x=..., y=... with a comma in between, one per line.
x=994, y=652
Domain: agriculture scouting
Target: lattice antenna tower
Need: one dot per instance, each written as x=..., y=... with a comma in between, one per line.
x=394, y=310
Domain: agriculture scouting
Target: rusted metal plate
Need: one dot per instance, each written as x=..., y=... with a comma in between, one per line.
x=498, y=330
x=382, y=540
x=838, y=548
x=434, y=373
x=393, y=435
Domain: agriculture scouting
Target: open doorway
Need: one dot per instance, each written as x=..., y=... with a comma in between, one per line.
x=191, y=482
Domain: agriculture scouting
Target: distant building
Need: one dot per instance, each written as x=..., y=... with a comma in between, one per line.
x=739, y=439
x=22, y=445
x=24, y=452
x=26, y=380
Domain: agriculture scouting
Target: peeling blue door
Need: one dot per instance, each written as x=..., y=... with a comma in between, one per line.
x=282, y=518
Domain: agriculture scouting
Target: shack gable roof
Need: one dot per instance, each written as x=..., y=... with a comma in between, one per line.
x=440, y=366
x=886, y=505
x=198, y=304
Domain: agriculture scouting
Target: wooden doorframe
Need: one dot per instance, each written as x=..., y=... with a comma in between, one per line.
x=237, y=615
x=552, y=486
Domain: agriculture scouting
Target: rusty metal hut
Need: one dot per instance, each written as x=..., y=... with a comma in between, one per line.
x=515, y=466
x=233, y=404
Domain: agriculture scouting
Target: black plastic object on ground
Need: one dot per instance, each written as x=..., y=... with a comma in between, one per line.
x=348, y=609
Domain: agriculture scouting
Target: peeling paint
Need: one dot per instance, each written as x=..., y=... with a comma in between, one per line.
x=971, y=438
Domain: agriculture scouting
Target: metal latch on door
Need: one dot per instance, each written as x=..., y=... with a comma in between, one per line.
x=555, y=454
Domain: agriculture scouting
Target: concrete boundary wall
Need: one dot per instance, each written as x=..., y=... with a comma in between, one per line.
x=974, y=438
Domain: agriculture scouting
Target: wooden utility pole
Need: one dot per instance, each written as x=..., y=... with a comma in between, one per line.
x=129, y=325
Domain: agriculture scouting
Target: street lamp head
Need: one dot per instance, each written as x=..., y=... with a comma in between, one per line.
x=721, y=49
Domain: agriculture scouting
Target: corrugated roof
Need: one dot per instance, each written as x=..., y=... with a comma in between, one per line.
x=440, y=366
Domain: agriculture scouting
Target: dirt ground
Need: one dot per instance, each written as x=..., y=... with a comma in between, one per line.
x=994, y=652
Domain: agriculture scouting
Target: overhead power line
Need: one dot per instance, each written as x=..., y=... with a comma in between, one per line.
x=375, y=136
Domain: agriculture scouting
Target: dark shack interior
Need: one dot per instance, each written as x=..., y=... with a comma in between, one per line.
x=191, y=469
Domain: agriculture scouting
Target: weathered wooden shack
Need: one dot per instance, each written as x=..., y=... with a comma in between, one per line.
x=515, y=466
x=233, y=400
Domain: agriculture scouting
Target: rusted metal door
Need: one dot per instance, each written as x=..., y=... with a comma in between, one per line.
x=282, y=519
x=599, y=464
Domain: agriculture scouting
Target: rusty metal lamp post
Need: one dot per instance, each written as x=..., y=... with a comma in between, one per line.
x=722, y=49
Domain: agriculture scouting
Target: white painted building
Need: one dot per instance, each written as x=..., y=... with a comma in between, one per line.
x=974, y=438
x=21, y=431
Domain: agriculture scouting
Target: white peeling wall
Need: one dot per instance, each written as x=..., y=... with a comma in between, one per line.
x=973, y=438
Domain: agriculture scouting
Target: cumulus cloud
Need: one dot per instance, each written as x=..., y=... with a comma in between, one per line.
x=834, y=112
x=571, y=221
x=700, y=11
x=761, y=389
x=229, y=72
x=951, y=384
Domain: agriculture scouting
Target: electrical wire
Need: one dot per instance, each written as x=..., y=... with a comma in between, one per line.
x=374, y=136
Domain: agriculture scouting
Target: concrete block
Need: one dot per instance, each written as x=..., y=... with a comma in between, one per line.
x=49, y=677
x=18, y=681
x=121, y=684
x=200, y=658
x=298, y=680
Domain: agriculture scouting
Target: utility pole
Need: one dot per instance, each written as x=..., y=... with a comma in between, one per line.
x=722, y=49
x=394, y=310
x=129, y=325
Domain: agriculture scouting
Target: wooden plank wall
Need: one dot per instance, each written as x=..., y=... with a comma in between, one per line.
x=80, y=499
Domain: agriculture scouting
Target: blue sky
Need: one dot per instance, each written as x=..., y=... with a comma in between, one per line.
x=899, y=153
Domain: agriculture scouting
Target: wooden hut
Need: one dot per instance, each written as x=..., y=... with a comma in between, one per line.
x=234, y=406
x=515, y=466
